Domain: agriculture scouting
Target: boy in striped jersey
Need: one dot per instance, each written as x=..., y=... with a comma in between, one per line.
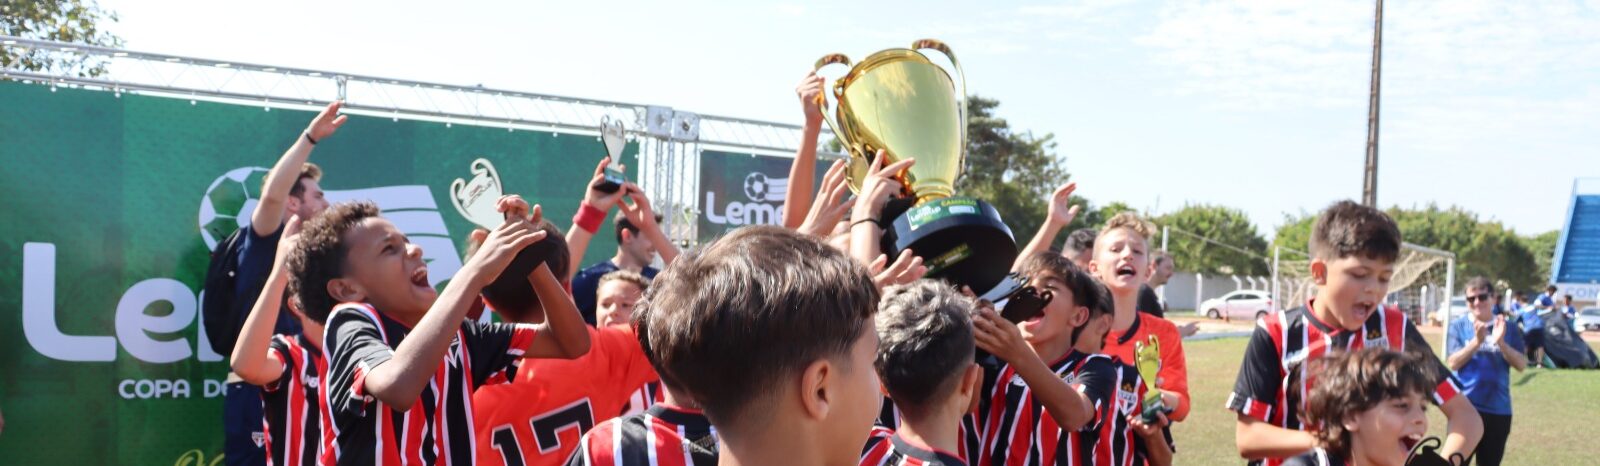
x=770, y=331
x=925, y=348
x=1031, y=413
x=672, y=432
x=402, y=361
x=1353, y=249
x=288, y=368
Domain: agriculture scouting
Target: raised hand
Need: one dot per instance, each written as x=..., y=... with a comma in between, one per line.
x=326, y=122
x=1061, y=210
x=906, y=269
x=810, y=92
x=826, y=213
x=999, y=337
x=500, y=247
x=879, y=185
x=638, y=211
x=600, y=199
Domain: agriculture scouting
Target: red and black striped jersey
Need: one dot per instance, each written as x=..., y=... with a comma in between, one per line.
x=1017, y=431
x=1284, y=340
x=662, y=435
x=1119, y=444
x=884, y=448
x=438, y=427
x=889, y=420
x=292, y=405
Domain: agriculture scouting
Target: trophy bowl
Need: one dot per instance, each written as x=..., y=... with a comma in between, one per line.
x=901, y=102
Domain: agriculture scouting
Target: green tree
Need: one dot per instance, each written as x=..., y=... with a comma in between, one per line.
x=1543, y=248
x=77, y=21
x=1014, y=171
x=1294, y=234
x=1234, y=246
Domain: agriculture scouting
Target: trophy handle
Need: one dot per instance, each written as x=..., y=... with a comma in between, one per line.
x=455, y=198
x=961, y=85
x=829, y=101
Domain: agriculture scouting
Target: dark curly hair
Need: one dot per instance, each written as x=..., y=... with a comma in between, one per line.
x=319, y=255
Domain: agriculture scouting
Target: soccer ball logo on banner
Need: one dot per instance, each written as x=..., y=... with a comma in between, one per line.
x=227, y=204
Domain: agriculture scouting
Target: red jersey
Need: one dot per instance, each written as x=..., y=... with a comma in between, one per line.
x=538, y=419
x=1018, y=431
x=1174, y=375
x=1284, y=339
x=884, y=448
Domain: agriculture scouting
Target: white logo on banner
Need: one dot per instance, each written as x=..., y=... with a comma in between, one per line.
x=766, y=196
x=226, y=206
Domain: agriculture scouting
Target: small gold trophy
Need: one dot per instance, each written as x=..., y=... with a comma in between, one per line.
x=901, y=102
x=1147, y=359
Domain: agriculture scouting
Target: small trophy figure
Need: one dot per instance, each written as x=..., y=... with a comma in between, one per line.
x=476, y=199
x=1147, y=360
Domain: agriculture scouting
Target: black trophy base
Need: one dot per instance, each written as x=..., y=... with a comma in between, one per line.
x=960, y=239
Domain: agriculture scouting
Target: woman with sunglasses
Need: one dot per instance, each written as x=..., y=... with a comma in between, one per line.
x=1482, y=353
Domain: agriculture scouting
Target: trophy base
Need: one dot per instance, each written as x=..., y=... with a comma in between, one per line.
x=960, y=239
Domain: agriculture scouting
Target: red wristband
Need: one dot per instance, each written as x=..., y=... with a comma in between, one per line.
x=589, y=218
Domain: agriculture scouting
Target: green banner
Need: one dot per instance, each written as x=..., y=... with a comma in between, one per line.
x=744, y=189
x=108, y=209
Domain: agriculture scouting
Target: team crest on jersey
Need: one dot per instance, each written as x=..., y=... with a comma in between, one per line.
x=1016, y=380
x=1127, y=399
x=259, y=438
x=1070, y=379
x=1375, y=339
x=313, y=381
x=454, y=358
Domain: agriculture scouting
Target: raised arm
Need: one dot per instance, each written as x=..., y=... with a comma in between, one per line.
x=642, y=215
x=570, y=335
x=797, y=200
x=284, y=174
x=866, y=217
x=1060, y=214
x=591, y=215
x=251, y=359
x=1070, y=408
x=400, y=380
x=834, y=205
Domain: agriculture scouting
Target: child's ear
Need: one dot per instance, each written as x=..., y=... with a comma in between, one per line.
x=813, y=389
x=1080, y=316
x=970, y=384
x=1319, y=271
x=346, y=291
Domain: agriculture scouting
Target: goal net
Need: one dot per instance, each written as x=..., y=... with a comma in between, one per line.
x=1418, y=286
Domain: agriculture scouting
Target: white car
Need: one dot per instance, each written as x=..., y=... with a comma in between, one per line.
x=1588, y=319
x=1242, y=304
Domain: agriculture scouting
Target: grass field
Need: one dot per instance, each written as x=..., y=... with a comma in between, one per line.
x=1552, y=412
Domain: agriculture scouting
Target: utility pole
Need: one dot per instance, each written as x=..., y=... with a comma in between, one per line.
x=1369, y=186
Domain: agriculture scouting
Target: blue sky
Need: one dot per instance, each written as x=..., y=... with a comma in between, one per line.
x=1490, y=105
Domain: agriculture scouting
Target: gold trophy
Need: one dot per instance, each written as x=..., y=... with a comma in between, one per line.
x=900, y=101
x=1147, y=359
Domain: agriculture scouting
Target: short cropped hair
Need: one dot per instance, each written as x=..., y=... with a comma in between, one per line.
x=1081, y=240
x=1347, y=229
x=308, y=171
x=1482, y=283
x=1350, y=383
x=510, y=293
x=622, y=223
x=731, y=321
x=1130, y=221
x=628, y=276
x=1159, y=257
x=319, y=255
x=925, y=341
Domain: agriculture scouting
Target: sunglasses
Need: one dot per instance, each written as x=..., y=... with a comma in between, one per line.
x=1478, y=297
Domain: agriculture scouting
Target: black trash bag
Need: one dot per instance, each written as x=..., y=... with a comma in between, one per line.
x=1563, y=348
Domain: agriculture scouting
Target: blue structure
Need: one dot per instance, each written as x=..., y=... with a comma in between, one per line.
x=1576, y=267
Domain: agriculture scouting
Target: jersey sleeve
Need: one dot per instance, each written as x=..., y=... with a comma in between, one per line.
x=1174, y=375
x=279, y=348
x=355, y=347
x=1448, y=387
x=1255, y=390
x=1097, y=380
x=1513, y=337
x=625, y=358
x=493, y=347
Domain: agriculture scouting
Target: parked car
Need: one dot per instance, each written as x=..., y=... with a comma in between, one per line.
x=1242, y=304
x=1588, y=319
x=1457, y=308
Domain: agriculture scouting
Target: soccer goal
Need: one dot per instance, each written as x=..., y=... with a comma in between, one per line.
x=1420, y=286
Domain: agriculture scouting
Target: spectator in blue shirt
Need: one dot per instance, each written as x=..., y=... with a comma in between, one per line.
x=1482, y=351
x=1570, y=312
x=1532, y=326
